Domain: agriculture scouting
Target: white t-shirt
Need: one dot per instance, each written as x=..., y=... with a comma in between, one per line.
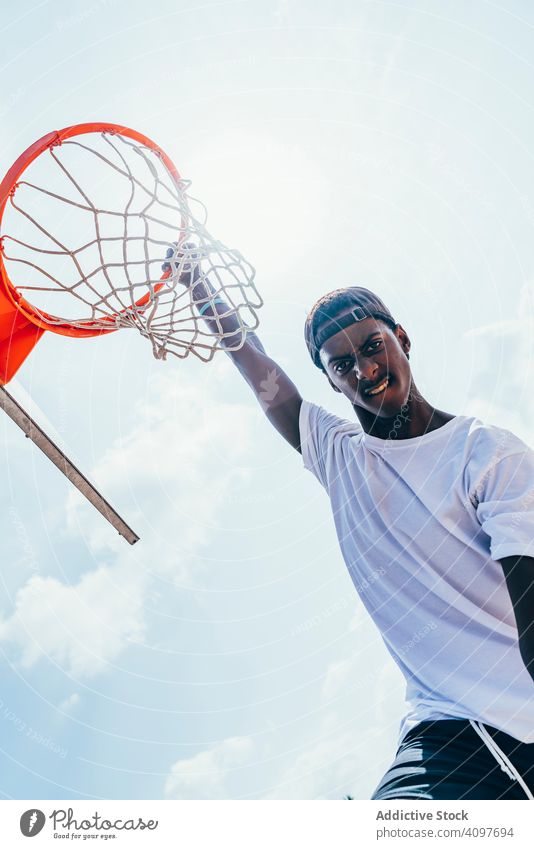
x=421, y=523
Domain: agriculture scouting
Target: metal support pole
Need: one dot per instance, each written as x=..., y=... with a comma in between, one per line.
x=39, y=437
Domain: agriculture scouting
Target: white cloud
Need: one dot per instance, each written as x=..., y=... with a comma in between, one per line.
x=69, y=703
x=83, y=627
x=336, y=678
x=176, y=465
x=343, y=751
x=330, y=765
x=175, y=468
x=327, y=768
x=207, y=774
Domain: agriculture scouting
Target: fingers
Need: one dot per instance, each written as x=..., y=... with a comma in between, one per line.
x=184, y=262
x=169, y=253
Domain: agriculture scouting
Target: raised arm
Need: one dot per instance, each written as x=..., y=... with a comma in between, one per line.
x=276, y=393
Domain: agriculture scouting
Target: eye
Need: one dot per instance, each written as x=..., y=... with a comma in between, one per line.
x=341, y=366
x=373, y=346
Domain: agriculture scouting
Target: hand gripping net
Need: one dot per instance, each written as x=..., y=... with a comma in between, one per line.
x=86, y=231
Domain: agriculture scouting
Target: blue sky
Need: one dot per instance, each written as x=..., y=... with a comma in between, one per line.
x=382, y=143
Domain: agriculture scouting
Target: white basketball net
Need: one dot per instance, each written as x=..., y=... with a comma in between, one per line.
x=85, y=235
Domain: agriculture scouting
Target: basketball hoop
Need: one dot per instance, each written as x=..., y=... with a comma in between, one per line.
x=87, y=215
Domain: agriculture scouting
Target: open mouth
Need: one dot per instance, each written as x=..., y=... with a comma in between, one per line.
x=378, y=388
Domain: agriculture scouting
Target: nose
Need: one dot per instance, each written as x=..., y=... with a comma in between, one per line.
x=365, y=368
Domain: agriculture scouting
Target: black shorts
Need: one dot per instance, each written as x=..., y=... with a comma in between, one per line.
x=447, y=759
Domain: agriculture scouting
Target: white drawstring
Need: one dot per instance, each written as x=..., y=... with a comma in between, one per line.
x=500, y=757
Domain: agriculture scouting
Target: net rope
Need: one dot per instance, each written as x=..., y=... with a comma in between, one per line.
x=128, y=244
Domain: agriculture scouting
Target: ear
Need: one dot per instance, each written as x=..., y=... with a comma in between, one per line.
x=404, y=339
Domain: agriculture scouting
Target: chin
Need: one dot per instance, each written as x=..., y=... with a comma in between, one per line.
x=390, y=404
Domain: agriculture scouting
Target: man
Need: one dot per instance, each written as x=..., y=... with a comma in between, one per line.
x=442, y=508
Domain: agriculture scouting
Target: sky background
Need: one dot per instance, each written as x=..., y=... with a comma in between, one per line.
x=227, y=654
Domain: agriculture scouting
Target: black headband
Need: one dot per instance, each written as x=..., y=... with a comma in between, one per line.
x=335, y=325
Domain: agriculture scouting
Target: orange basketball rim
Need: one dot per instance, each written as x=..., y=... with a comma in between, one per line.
x=21, y=325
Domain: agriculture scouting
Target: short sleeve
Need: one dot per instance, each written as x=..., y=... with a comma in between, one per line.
x=317, y=431
x=505, y=506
